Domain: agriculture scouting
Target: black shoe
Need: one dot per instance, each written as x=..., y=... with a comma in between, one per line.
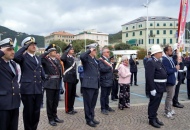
x=52, y=123
x=91, y=124
x=136, y=85
x=114, y=99
x=76, y=95
x=104, y=111
x=111, y=110
x=178, y=105
x=58, y=120
x=74, y=111
x=154, y=124
x=70, y=112
x=159, y=122
x=95, y=121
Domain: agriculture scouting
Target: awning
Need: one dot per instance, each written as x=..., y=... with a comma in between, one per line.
x=132, y=41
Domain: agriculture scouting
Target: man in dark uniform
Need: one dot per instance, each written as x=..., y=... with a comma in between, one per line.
x=70, y=79
x=9, y=87
x=133, y=69
x=53, y=73
x=90, y=84
x=156, y=77
x=106, y=81
x=31, y=82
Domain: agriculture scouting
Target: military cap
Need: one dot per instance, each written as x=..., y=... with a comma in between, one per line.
x=51, y=47
x=93, y=45
x=69, y=47
x=7, y=42
x=28, y=40
x=149, y=53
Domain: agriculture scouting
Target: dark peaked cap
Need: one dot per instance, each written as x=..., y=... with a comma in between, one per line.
x=68, y=47
x=51, y=47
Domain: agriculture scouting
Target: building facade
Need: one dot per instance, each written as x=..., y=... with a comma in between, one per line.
x=60, y=35
x=161, y=30
x=99, y=37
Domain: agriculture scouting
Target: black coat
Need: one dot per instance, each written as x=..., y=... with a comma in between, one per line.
x=106, y=73
x=91, y=77
x=133, y=65
x=187, y=63
x=51, y=67
x=33, y=74
x=9, y=87
x=155, y=70
x=71, y=75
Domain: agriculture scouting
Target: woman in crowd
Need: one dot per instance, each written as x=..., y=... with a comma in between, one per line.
x=124, y=81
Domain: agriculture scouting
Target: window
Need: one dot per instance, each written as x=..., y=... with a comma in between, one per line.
x=177, y=24
x=151, y=32
x=151, y=41
x=171, y=32
x=133, y=27
x=158, y=32
x=142, y=41
x=171, y=24
x=133, y=33
x=164, y=24
x=140, y=32
x=164, y=31
x=126, y=34
x=164, y=41
x=171, y=41
x=151, y=24
x=158, y=24
x=139, y=26
x=126, y=28
x=158, y=41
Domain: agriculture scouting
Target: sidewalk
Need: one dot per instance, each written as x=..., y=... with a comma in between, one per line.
x=134, y=118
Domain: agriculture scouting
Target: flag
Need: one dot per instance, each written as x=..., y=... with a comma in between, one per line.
x=15, y=45
x=182, y=21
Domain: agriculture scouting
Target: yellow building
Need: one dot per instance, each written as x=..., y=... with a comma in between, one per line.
x=161, y=30
x=60, y=35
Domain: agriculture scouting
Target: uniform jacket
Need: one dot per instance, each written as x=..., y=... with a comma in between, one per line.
x=70, y=76
x=187, y=63
x=9, y=87
x=106, y=73
x=91, y=77
x=171, y=79
x=155, y=70
x=51, y=67
x=133, y=65
x=32, y=73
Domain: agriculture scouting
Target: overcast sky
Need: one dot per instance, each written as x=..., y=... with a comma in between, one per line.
x=45, y=16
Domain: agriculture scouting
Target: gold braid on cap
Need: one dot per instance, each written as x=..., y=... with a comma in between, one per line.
x=32, y=40
x=53, y=45
x=11, y=41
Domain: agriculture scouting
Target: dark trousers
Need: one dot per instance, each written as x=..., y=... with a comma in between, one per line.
x=89, y=98
x=188, y=88
x=135, y=77
x=52, y=100
x=9, y=119
x=184, y=73
x=114, y=90
x=70, y=91
x=81, y=79
x=175, y=98
x=31, y=110
x=104, y=97
x=153, y=105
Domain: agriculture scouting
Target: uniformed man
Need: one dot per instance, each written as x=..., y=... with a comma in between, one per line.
x=53, y=73
x=70, y=79
x=90, y=84
x=9, y=87
x=31, y=82
x=156, y=78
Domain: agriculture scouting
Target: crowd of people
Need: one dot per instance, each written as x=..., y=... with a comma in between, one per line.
x=24, y=76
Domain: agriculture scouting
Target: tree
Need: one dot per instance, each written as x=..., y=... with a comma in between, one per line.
x=135, y=48
x=141, y=53
x=61, y=45
x=122, y=46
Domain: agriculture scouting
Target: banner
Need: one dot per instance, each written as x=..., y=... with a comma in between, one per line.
x=182, y=21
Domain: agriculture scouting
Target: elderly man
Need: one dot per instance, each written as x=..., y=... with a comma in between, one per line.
x=156, y=82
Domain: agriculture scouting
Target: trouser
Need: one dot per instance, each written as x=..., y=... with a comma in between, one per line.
x=89, y=98
x=31, y=110
x=154, y=103
x=114, y=89
x=170, y=90
x=175, y=98
x=188, y=88
x=52, y=101
x=135, y=77
x=184, y=74
x=81, y=79
x=9, y=119
x=70, y=91
x=104, y=97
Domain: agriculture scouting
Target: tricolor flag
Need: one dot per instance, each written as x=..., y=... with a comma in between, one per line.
x=15, y=45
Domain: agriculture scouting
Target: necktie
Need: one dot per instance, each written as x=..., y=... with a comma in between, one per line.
x=35, y=59
x=12, y=68
x=95, y=61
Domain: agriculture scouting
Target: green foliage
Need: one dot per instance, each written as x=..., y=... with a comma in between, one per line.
x=60, y=44
x=122, y=46
x=115, y=38
x=141, y=53
x=135, y=48
x=7, y=33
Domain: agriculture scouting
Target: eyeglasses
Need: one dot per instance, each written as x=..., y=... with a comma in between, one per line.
x=107, y=51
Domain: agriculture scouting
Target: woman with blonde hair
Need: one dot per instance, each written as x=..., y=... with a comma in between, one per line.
x=124, y=81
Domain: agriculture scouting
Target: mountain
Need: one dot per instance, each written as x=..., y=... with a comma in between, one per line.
x=8, y=33
x=115, y=38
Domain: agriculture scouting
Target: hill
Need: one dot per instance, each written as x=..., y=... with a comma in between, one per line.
x=115, y=38
x=8, y=33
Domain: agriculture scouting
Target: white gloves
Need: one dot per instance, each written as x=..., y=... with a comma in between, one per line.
x=153, y=92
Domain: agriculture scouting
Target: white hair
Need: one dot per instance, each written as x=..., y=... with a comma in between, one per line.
x=124, y=57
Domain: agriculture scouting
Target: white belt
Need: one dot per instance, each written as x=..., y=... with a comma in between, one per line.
x=180, y=70
x=160, y=80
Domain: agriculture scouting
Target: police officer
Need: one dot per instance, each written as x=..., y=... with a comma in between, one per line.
x=53, y=73
x=90, y=84
x=31, y=82
x=70, y=79
x=156, y=78
x=9, y=87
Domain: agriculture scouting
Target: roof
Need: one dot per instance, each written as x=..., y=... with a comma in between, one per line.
x=62, y=33
x=151, y=18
